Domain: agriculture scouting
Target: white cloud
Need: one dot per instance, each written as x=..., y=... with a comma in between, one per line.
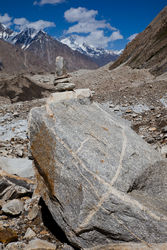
x=116, y=36
x=86, y=21
x=5, y=19
x=88, y=26
x=22, y=23
x=41, y=24
x=94, y=29
x=130, y=38
x=42, y=2
x=97, y=38
x=79, y=14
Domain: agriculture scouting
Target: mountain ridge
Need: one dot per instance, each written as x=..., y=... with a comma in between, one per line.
x=45, y=48
x=98, y=55
x=25, y=39
x=149, y=48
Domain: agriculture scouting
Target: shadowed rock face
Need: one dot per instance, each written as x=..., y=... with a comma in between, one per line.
x=96, y=175
x=149, y=48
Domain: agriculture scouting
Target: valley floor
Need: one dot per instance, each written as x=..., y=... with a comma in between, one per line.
x=136, y=95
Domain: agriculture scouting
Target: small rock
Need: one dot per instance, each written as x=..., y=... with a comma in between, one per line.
x=21, y=167
x=29, y=234
x=164, y=151
x=164, y=129
x=1, y=203
x=30, y=157
x=152, y=108
x=20, y=153
x=66, y=86
x=116, y=108
x=60, y=66
x=7, y=235
x=43, y=232
x=33, y=212
x=152, y=129
x=12, y=187
x=38, y=244
x=67, y=247
x=128, y=111
x=15, y=246
x=64, y=80
x=150, y=140
x=16, y=114
x=29, y=203
x=111, y=105
x=62, y=77
x=13, y=207
x=165, y=136
x=3, y=217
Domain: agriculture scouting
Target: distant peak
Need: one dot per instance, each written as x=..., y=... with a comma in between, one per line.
x=86, y=48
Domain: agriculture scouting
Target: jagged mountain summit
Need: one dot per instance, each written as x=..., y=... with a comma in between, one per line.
x=98, y=55
x=149, y=48
x=6, y=33
x=46, y=49
x=25, y=38
x=40, y=43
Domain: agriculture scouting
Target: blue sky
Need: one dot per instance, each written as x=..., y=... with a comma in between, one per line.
x=101, y=23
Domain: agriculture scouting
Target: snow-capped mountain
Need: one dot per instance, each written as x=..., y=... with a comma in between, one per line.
x=46, y=48
x=6, y=33
x=25, y=38
x=42, y=45
x=99, y=55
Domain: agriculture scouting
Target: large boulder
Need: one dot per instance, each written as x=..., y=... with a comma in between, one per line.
x=102, y=183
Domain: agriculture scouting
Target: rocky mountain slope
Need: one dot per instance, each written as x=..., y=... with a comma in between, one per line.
x=14, y=60
x=48, y=48
x=98, y=55
x=45, y=49
x=149, y=48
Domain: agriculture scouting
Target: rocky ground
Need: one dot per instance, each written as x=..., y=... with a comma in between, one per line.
x=135, y=95
x=23, y=216
x=13, y=130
